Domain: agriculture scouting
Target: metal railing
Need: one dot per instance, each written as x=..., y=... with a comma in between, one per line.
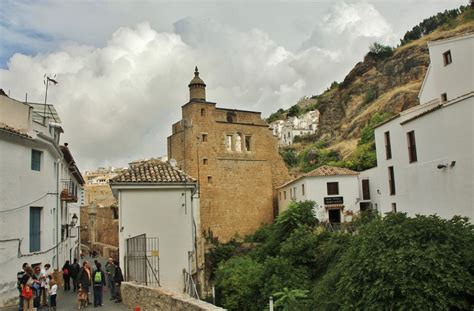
x=190, y=285
x=142, y=260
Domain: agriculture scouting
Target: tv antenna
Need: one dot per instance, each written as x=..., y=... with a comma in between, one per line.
x=48, y=78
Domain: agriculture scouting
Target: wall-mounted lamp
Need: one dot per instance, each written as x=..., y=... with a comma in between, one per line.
x=441, y=166
x=74, y=220
x=453, y=163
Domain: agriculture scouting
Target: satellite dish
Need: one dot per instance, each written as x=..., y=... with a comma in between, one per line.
x=173, y=162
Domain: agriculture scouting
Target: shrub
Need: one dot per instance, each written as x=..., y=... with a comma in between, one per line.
x=294, y=111
x=380, y=51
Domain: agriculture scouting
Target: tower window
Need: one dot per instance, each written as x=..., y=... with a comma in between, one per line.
x=204, y=138
x=209, y=180
x=230, y=117
x=203, y=112
x=204, y=161
x=248, y=143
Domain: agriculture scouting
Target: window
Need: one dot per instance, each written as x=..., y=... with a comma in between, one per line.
x=391, y=180
x=284, y=195
x=209, y=180
x=230, y=117
x=35, y=229
x=294, y=193
x=238, y=143
x=302, y=189
x=204, y=137
x=444, y=97
x=228, y=142
x=447, y=58
x=291, y=193
x=248, y=145
x=365, y=189
x=36, y=160
x=333, y=188
x=388, y=147
x=394, y=207
x=411, y=147
x=202, y=112
x=279, y=195
x=204, y=161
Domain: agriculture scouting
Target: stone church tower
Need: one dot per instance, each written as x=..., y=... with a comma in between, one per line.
x=234, y=156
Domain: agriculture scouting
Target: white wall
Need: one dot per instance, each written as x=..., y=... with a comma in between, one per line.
x=316, y=190
x=14, y=113
x=159, y=212
x=442, y=136
x=455, y=79
x=19, y=185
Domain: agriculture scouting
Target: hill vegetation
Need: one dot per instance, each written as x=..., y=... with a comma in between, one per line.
x=385, y=83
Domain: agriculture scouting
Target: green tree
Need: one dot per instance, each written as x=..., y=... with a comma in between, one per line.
x=380, y=51
x=290, y=300
x=396, y=263
x=237, y=283
x=294, y=111
x=297, y=215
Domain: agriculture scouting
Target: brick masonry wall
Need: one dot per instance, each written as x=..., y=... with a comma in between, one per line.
x=151, y=299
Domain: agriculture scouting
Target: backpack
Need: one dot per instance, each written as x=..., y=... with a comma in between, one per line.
x=26, y=292
x=98, y=277
x=66, y=271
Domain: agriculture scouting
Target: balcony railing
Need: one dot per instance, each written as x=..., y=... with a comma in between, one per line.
x=68, y=191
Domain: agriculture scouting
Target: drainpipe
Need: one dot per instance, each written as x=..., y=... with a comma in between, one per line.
x=58, y=198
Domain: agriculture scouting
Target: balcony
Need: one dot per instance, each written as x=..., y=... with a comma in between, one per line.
x=68, y=191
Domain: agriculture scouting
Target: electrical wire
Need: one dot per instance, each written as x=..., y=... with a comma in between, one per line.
x=28, y=204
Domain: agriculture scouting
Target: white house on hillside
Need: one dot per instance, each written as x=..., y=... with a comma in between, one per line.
x=158, y=220
x=40, y=191
x=335, y=191
x=425, y=155
x=287, y=130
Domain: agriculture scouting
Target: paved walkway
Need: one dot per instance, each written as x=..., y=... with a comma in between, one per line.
x=68, y=300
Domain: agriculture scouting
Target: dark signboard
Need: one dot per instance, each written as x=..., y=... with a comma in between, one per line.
x=333, y=200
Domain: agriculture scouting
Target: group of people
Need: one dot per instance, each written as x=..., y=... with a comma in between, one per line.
x=38, y=288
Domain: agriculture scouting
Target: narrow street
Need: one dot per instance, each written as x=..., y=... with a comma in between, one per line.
x=68, y=300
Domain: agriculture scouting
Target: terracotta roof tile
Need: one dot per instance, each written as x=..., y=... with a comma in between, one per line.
x=327, y=170
x=152, y=171
x=12, y=130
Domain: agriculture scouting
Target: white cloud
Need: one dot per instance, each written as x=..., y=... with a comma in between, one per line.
x=118, y=101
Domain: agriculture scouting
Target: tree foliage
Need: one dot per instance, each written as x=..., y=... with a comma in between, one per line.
x=380, y=51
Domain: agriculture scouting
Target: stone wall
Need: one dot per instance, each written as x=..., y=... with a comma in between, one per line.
x=151, y=299
x=237, y=187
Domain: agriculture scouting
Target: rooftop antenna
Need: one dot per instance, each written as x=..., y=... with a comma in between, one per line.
x=47, y=78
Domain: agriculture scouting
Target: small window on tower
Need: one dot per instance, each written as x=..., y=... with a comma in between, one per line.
x=228, y=142
x=444, y=97
x=209, y=180
x=204, y=138
x=248, y=143
x=202, y=112
x=230, y=117
x=204, y=161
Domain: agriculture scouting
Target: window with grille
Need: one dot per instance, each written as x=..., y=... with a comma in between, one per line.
x=333, y=188
x=411, y=147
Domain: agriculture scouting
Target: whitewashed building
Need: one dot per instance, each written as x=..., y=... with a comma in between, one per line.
x=40, y=191
x=158, y=210
x=425, y=155
x=335, y=190
x=286, y=131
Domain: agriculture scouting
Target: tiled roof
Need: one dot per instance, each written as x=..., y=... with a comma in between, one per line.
x=12, y=130
x=152, y=171
x=327, y=170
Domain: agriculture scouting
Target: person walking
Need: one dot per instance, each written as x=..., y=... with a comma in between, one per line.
x=19, y=276
x=84, y=279
x=27, y=289
x=44, y=281
x=98, y=279
x=75, y=268
x=110, y=269
x=67, y=275
x=36, y=286
x=118, y=279
x=53, y=291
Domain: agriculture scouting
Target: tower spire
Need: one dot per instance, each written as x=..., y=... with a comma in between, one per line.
x=197, y=87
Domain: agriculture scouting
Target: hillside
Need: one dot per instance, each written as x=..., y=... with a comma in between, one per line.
x=386, y=82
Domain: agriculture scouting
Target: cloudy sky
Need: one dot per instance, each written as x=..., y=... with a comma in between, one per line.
x=124, y=66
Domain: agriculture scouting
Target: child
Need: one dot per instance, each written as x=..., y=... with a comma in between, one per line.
x=52, y=295
x=81, y=298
